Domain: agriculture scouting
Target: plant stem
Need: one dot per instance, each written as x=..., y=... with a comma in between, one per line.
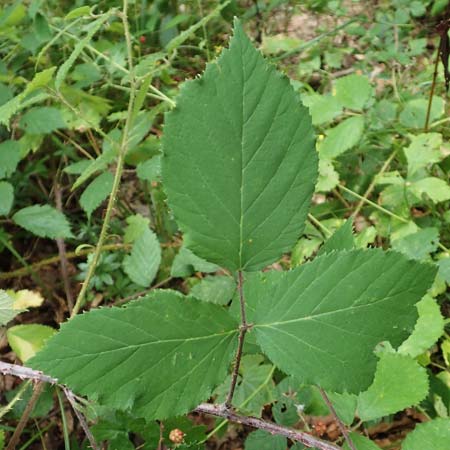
x=15, y=399
x=341, y=426
x=272, y=428
x=64, y=421
x=242, y=331
x=119, y=169
x=38, y=387
x=433, y=84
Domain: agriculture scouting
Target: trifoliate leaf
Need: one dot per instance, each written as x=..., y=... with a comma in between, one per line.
x=186, y=263
x=162, y=354
x=317, y=314
x=27, y=340
x=432, y=435
x=399, y=382
x=6, y=197
x=262, y=440
x=239, y=165
x=342, y=137
x=96, y=192
x=218, y=290
x=7, y=311
x=43, y=221
x=9, y=157
x=341, y=239
x=353, y=91
x=428, y=329
x=143, y=263
x=42, y=120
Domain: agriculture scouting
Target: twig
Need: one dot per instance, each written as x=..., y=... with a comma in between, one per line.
x=62, y=253
x=272, y=428
x=341, y=426
x=38, y=387
x=54, y=259
x=242, y=331
x=25, y=373
x=81, y=419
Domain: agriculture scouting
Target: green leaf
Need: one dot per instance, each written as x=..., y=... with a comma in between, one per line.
x=96, y=192
x=162, y=354
x=423, y=151
x=342, y=137
x=136, y=227
x=361, y=442
x=345, y=405
x=9, y=157
x=353, y=91
x=149, y=170
x=428, y=329
x=42, y=120
x=435, y=188
x=143, y=263
x=317, y=314
x=7, y=311
x=27, y=340
x=2, y=439
x=78, y=12
x=432, y=435
x=218, y=290
x=68, y=63
x=239, y=165
x=262, y=440
x=40, y=80
x=6, y=197
x=328, y=177
x=399, y=382
x=43, y=221
x=186, y=263
x=415, y=112
x=341, y=239
x=418, y=245
x=323, y=108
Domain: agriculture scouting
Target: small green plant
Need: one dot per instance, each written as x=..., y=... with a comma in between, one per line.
x=239, y=168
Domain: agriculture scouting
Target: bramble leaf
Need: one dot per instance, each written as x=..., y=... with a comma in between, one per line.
x=316, y=316
x=239, y=165
x=162, y=354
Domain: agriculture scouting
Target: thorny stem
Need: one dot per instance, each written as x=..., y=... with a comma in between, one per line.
x=272, y=428
x=119, y=168
x=242, y=331
x=205, y=408
x=338, y=420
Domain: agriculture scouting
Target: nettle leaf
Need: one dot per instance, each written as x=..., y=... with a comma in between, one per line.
x=432, y=435
x=43, y=221
x=428, y=329
x=317, y=314
x=399, y=382
x=6, y=197
x=162, y=354
x=143, y=263
x=239, y=165
x=97, y=191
